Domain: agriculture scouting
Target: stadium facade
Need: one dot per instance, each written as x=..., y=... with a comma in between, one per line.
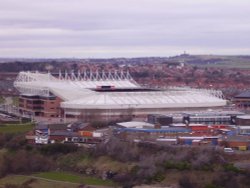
x=107, y=95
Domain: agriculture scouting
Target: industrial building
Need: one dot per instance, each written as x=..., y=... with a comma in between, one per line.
x=242, y=100
x=243, y=120
x=107, y=95
x=211, y=117
x=65, y=133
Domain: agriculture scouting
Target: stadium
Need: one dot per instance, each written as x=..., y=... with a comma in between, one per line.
x=115, y=95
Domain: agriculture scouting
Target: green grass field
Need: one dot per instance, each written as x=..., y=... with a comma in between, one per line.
x=54, y=179
x=227, y=62
x=73, y=178
x=236, y=65
x=16, y=128
x=37, y=183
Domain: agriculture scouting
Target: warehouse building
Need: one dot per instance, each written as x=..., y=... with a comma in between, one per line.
x=243, y=120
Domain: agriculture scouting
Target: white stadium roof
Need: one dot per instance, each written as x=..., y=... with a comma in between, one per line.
x=76, y=92
x=164, y=99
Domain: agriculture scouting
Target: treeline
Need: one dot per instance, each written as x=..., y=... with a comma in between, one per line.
x=18, y=66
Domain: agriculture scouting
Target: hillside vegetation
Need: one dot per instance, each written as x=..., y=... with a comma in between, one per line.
x=120, y=163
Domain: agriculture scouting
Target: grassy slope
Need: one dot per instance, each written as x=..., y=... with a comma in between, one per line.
x=106, y=163
x=16, y=128
x=172, y=177
x=55, y=179
x=39, y=183
x=229, y=62
x=73, y=178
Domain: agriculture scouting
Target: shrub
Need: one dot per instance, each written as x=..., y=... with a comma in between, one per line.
x=22, y=161
x=122, y=151
x=232, y=168
x=212, y=186
x=58, y=148
x=16, y=142
x=158, y=177
x=226, y=180
x=183, y=165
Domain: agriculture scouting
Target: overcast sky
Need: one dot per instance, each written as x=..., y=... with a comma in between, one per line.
x=123, y=28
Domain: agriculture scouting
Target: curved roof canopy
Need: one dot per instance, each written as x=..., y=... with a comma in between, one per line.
x=77, y=92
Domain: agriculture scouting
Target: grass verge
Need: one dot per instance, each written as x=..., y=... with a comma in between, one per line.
x=74, y=178
x=16, y=128
x=20, y=181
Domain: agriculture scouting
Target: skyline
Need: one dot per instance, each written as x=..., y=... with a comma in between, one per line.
x=107, y=29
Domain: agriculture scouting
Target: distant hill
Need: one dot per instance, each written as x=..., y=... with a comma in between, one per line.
x=214, y=60
x=21, y=64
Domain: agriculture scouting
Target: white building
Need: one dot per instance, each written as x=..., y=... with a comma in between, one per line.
x=113, y=94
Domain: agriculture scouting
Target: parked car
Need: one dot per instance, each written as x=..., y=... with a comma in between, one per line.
x=228, y=150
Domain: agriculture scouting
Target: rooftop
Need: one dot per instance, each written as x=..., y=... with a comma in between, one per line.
x=245, y=94
x=243, y=117
x=82, y=91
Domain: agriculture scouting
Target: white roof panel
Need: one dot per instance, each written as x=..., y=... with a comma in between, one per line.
x=77, y=94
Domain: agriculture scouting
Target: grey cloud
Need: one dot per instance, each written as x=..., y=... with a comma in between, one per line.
x=65, y=27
